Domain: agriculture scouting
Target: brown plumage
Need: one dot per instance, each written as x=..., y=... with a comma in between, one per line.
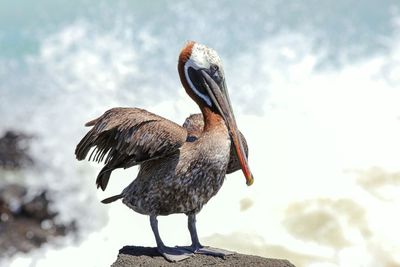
x=181, y=168
x=125, y=137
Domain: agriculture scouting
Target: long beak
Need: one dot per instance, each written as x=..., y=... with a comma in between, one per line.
x=219, y=96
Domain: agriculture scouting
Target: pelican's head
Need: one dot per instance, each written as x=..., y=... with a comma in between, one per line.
x=202, y=76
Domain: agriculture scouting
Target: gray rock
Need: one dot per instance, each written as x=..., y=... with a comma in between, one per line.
x=26, y=224
x=144, y=256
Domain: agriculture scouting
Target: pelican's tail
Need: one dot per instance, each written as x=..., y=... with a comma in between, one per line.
x=112, y=199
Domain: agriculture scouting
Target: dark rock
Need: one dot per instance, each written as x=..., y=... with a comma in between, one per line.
x=25, y=223
x=38, y=208
x=145, y=256
x=14, y=150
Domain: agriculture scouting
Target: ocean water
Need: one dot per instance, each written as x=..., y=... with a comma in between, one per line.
x=315, y=87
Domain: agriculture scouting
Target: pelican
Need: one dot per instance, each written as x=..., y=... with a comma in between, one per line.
x=181, y=167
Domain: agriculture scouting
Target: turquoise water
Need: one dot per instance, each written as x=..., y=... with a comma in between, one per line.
x=315, y=87
x=338, y=31
x=353, y=28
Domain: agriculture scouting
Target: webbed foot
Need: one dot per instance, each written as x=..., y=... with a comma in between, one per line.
x=217, y=252
x=174, y=254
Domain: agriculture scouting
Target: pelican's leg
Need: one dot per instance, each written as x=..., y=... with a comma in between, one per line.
x=196, y=247
x=171, y=254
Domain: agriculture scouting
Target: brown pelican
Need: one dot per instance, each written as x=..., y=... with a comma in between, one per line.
x=181, y=168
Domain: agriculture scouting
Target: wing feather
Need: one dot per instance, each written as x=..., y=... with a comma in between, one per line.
x=124, y=137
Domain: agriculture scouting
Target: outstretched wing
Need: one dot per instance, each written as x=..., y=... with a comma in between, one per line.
x=124, y=137
x=194, y=125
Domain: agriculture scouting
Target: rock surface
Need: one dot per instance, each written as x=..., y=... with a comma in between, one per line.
x=145, y=256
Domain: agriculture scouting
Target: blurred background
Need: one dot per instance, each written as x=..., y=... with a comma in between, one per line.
x=315, y=86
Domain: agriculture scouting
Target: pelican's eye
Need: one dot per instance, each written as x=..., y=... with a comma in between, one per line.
x=215, y=73
x=214, y=68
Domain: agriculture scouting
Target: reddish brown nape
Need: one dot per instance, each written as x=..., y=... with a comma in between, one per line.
x=183, y=58
x=211, y=118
